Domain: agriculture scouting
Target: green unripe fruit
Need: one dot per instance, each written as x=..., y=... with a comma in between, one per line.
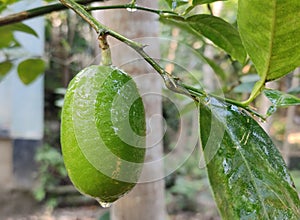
x=103, y=133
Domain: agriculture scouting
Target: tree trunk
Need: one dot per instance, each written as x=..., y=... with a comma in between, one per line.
x=146, y=200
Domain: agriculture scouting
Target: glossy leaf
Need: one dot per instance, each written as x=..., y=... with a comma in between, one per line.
x=220, y=32
x=30, y=69
x=270, y=32
x=247, y=174
x=281, y=99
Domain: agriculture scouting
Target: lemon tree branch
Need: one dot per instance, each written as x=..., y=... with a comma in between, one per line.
x=39, y=11
x=173, y=83
x=36, y=12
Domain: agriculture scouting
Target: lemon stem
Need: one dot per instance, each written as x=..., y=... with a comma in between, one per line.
x=105, y=50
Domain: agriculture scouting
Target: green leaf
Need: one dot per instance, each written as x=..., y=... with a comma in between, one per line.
x=5, y=3
x=7, y=39
x=270, y=32
x=30, y=69
x=247, y=174
x=18, y=27
x=280, y=99
x=220, y=32
x=200, y=2
x=178, y=22
x=5, y=67
x=194, y=3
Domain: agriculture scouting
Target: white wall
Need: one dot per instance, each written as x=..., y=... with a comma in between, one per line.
x=21, y=106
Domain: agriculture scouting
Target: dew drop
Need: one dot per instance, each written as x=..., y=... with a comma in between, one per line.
x=131, y=9
x=234, y=108
x=105, y=204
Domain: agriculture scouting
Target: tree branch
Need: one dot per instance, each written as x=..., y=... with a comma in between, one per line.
x=35, y=12
x=170, y=81
x=129, y=7
x=173, y=83
x=39, y=11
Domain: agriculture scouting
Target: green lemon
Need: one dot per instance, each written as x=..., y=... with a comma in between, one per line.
x=103, y=133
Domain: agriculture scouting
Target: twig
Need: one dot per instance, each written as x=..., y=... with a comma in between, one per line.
x=35, y=12
x=129, y=6
x=39, y=11
x=170, y=81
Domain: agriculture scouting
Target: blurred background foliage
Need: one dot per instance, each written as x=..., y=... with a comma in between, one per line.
x=71, y=46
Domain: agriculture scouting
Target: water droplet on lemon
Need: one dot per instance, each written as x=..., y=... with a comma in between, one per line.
x=105, y=204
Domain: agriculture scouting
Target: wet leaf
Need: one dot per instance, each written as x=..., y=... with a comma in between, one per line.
x=248, y=176
x=281, y=99
x=30, y=69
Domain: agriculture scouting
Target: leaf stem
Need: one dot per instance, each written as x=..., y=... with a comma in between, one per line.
x=173, y=83
x=105, y=50
x=202, y=93
x=258, y=87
